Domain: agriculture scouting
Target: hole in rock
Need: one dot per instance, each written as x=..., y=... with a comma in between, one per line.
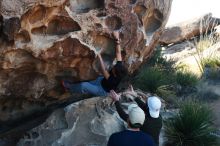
x=62, y=25
x=73, y=47
x=113, y=22
x=101, y=14
x=57, y=26
x=37, y=14
x=140, y=11
x=20, y=59
x=133, y=1
x=23, y=36
x=112, y=6
x=84, y=6
x=1, y=24
x=26, y=83
x=153, y=21
x=11, y=26
x=68, y=48
x=98, y=25
x=39, y=30
x=107, y=44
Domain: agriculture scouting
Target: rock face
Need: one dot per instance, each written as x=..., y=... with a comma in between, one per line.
x=188, y=29
x=42, y=40
x=87, y=123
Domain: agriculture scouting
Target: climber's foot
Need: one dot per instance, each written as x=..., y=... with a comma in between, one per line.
x=65, y=85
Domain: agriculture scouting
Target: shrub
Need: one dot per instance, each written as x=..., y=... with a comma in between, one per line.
x=212, y=68
x=212, y=62
x=186, y=78
x=207, y=92
x=150, y=79
x=204, y=43
x=207, y=95
x=156, y=73
x=157, y=60
x=191, y=126
x=168, y=93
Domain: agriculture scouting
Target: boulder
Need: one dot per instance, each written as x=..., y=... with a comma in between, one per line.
x=86, y=123
x=43, y=40
x=217, y=31
x=56, y=38
x=188, y=29
x=89, y=122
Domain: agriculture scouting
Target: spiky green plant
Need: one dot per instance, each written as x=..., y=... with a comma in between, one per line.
x=186, y=78
x=212, y=68
x=150, y=79
x=204, y=42
x=168, y=93
x=213, y=62
x=157, y=72
x=191, y=126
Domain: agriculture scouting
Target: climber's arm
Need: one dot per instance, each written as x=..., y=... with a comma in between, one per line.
x=115, y=97
x=141, y=104
x=117, y=47
x=121, y=112
x=104, y=71
x=118, y=52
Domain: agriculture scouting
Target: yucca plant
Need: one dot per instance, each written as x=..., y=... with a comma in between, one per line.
x=150, y=79
x=186, y=78
x=213, y=62
x=191, y=126
x=212, y=68
x=167, y=92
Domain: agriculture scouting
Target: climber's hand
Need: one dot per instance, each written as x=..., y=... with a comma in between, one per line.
x=116, y=35
x=98, y=51
x=131, y=91
x=114, y=95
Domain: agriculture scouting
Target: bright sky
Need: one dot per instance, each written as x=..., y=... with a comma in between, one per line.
x=186, y=9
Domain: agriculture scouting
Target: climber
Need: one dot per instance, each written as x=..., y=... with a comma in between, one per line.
x=132, y=136
x=103, y=84
x=153, y=120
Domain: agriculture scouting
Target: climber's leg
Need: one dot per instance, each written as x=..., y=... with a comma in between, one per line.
x=92, y=87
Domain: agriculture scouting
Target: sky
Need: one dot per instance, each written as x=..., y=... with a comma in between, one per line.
x=182, y=10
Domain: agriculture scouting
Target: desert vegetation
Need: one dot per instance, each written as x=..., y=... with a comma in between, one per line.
x=192, y=126
x=189, y=92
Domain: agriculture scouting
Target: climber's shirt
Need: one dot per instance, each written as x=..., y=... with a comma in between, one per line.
x=112, y=82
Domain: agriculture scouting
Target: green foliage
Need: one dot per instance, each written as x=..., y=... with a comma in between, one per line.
x=214, y=73
x=207, y=92
x=168, y=93
x=207, y=95
x=186, y=78
x=204, y=43
x=156, y=73
x=191, y=126
x=212, y=62
x=160, y=62
x=150, y=79
x=212, y=68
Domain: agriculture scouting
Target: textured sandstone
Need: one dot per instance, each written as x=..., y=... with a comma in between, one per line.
x=188, y=29
x=89, y=122
x=70, y=126
x=42, y=40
